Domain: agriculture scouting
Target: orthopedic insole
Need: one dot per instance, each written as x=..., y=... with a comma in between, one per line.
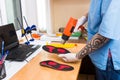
x=66, y=45
x=56, y=50
x=56, y=66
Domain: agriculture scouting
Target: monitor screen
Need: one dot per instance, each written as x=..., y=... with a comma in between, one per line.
x=8, y=34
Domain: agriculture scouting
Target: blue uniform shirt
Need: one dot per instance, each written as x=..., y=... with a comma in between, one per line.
x=104, y=18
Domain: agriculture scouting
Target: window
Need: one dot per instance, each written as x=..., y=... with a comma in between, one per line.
x=13, y=11
x=3, y=19
x=9, y=11
x=45, y=15
x=0, y=17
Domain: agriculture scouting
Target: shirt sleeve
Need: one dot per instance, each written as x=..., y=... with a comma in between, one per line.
x=110, y=25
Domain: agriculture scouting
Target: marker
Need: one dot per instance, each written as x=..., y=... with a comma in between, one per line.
x=2, y=53
x=4, y=57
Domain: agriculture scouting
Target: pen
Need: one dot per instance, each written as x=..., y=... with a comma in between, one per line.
x=2, y=53
x=4, y=57
x=6, y=53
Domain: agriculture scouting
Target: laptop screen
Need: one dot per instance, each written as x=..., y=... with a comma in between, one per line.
x=8, y=34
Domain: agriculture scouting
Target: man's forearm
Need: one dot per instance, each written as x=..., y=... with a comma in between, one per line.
x=96, y=42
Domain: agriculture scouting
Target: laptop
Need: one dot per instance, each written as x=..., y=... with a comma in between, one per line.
x=17, y=52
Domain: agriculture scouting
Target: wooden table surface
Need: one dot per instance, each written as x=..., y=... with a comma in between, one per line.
x=33, y=71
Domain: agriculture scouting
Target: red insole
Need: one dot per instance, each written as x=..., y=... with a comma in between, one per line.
x=56, y=50
x=55, y=65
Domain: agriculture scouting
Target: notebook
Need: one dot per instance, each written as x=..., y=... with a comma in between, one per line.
x=17, y=52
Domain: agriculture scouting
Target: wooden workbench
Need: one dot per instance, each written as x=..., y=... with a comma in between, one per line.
x=33, y=71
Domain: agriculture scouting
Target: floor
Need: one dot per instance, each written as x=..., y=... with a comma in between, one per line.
x=85, y=77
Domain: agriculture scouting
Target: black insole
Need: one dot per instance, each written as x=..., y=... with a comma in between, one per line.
x=56, y=65
x=56, y=50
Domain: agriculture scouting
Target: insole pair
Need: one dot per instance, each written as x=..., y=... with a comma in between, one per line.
x=53, y=64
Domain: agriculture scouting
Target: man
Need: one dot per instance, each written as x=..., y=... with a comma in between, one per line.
x=103, y=45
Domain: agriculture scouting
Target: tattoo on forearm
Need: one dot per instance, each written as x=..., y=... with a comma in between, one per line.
x=96, y=42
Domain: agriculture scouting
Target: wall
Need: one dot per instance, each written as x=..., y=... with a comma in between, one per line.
x=64, y=9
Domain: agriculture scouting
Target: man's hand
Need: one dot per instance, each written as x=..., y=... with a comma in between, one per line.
x=80, y=22
x=70, y=57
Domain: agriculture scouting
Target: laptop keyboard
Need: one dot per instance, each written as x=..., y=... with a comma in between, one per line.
x=21, y=52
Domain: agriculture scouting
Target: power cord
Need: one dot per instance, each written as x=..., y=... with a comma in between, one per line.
x=26, y=60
